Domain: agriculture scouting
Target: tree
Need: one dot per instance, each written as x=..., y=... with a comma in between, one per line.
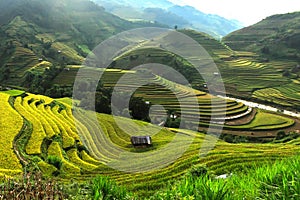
x=55, y=91
x=280, y=135
x=103, y=100
x=6, y=73
x=286, y=73
x=296, y=69
x=139, y=109
x=265, y=50
x=173, y=123
x=87, y=102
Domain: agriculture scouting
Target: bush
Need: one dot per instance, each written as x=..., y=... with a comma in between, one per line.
x=280, y=135
x=197, y=171
x=228, y=138
x=55, y=160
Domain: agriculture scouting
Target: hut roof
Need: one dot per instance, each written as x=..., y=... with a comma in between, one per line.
x=141, y=140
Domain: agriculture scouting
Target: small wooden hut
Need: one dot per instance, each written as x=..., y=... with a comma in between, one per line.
x=141, y=141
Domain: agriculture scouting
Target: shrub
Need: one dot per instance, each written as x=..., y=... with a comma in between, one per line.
x=280, y=135
x=197, y=171
x=55, y=160
x=228, y=138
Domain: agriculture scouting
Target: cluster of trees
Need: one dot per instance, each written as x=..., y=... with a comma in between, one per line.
x=42, y=83
x=4, y=73
x=234, y=138
x=101, y=101
x=293, y=73
x=138, y=108
x=281, y=137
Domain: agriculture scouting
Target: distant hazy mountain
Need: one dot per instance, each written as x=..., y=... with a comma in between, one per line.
x=165, y=12
x=276, y=36
x=212, y=24
x=164, y=4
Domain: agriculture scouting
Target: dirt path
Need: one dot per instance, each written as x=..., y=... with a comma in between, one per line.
x=15, y=146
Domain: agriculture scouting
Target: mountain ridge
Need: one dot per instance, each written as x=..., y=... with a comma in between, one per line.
x=180, y=16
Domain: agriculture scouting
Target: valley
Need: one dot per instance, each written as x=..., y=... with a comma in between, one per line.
x=207, y=142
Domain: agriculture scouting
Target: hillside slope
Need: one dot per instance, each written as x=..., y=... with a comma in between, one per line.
x=277, y=36
x=43, y=40
x=245, y=74
x=59, y=32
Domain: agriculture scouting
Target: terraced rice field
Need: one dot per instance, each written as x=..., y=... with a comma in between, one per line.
x=48, y=125
x=67, y=51
x=90, y=147
x=252, y=76
x=87, y=146
x=22, y=61
x=10, y=125
x=287, y=95
x=181, y=99
x=264, y=81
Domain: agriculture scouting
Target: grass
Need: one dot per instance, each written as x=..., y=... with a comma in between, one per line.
x=13, y=92
x=104, y=188
x=270, y=181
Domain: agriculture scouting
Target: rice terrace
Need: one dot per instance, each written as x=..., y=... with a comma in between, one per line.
x=149, y=123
